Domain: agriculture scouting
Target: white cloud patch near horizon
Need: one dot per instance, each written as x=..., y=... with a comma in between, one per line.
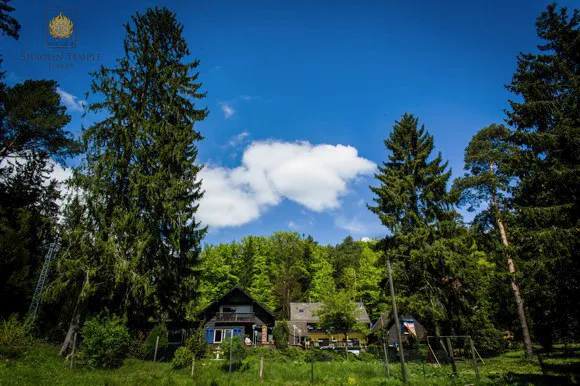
x=71, y=101
x=314, y=176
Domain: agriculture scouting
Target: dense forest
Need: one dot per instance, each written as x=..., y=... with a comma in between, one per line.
x=130, y=243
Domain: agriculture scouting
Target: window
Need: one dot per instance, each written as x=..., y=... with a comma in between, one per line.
x=217, y=336
x=301, y=310
x=227, y=309
x=220, y=335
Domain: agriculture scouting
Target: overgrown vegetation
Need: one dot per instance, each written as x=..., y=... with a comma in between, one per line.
x=105, y=341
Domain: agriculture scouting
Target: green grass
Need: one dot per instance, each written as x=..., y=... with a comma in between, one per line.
x=42, y=366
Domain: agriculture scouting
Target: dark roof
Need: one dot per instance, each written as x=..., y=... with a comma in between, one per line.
x=234, y=288
x=387, y=320
x=305, y=312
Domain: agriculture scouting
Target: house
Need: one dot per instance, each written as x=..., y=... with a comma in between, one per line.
x=304, y=323
x=237, y=313
x=411, y=329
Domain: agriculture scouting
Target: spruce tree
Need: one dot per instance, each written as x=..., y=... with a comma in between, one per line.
x=546, y=118
x=139, y=178
x=435, y=267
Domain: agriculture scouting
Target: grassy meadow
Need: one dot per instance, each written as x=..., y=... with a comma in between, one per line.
x=42, y=366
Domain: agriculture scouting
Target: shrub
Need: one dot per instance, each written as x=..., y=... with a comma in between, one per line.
x=281, y=332
x=181, y=358
x=14, y=337
x=104, y=342
x=137, y=347
x=158, y=331
x=239, y=351
x=197, y=344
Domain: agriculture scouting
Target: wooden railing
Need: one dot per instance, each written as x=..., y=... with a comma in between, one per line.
x=234, y=317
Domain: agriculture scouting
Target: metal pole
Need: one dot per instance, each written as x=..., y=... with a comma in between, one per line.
x=72, y=356
x=155, y=355
x=261, y=367
x=452, y=356
x=386, y=359
x=398, y=327
x=311, y=362
x=231, y=346
x=474, y=358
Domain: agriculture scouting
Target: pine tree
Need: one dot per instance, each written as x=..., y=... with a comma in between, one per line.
x=547, y=166
x=139, y=178
x=488, y=180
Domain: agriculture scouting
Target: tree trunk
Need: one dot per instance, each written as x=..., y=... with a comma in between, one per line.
x=75, y=319
x=515, y=287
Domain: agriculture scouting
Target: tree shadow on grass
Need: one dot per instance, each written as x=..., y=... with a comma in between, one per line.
x=535, y=379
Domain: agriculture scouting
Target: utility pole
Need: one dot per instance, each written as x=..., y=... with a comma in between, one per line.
x=398, y=326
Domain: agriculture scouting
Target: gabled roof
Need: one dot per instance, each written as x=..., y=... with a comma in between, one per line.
x=305, y=312
x=216, y=302
x=386, y=321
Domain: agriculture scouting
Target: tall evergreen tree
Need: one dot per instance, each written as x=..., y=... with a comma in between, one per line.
x=487, y=180
x=139, y=178
x=434, y=265
x=546, y=117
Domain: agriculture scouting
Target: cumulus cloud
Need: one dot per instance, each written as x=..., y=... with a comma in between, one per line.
x=227, y=109
x=71, y=101
x=314, y=176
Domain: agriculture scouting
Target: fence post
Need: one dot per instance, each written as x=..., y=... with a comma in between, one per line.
x=155, y=355
x=261, y=367
x=311, y=364
x=474, y=358
x=192, y=364
x=452, y=356
x=386, y=359
x=72, y=355
x=231, y=346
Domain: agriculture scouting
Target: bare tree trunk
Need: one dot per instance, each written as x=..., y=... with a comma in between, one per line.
x=75, y=319
x=515, y=287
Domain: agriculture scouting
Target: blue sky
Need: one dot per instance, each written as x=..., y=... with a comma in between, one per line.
x=285, y=79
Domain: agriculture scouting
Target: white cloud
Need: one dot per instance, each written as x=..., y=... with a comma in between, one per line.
x=227, y=109
x=365, y=239
x=353, y=225
x=315, y=176
x=238, y=139
x=71, y=101
x=292, y=225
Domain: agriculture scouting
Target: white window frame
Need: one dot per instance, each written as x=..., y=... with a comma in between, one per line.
x=224, y=332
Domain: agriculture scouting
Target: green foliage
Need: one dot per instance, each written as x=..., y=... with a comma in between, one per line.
x=14, y=337
x=546, y=165
x=281, y=332
x=436, y=262
x=104, y=342
x=158, y=331
x=139, y=176
x=197, y=344
x=238, y=349
x=181, y=358
x=137, y=346
x=339, y=312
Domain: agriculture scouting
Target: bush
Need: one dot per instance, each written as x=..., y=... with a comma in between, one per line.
x=14, y=337
x=161, y=332
x=137, y=347
x=281, y=332
x=181, y=358
x=197, y=344
x=104, y=343
x=239, y=351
